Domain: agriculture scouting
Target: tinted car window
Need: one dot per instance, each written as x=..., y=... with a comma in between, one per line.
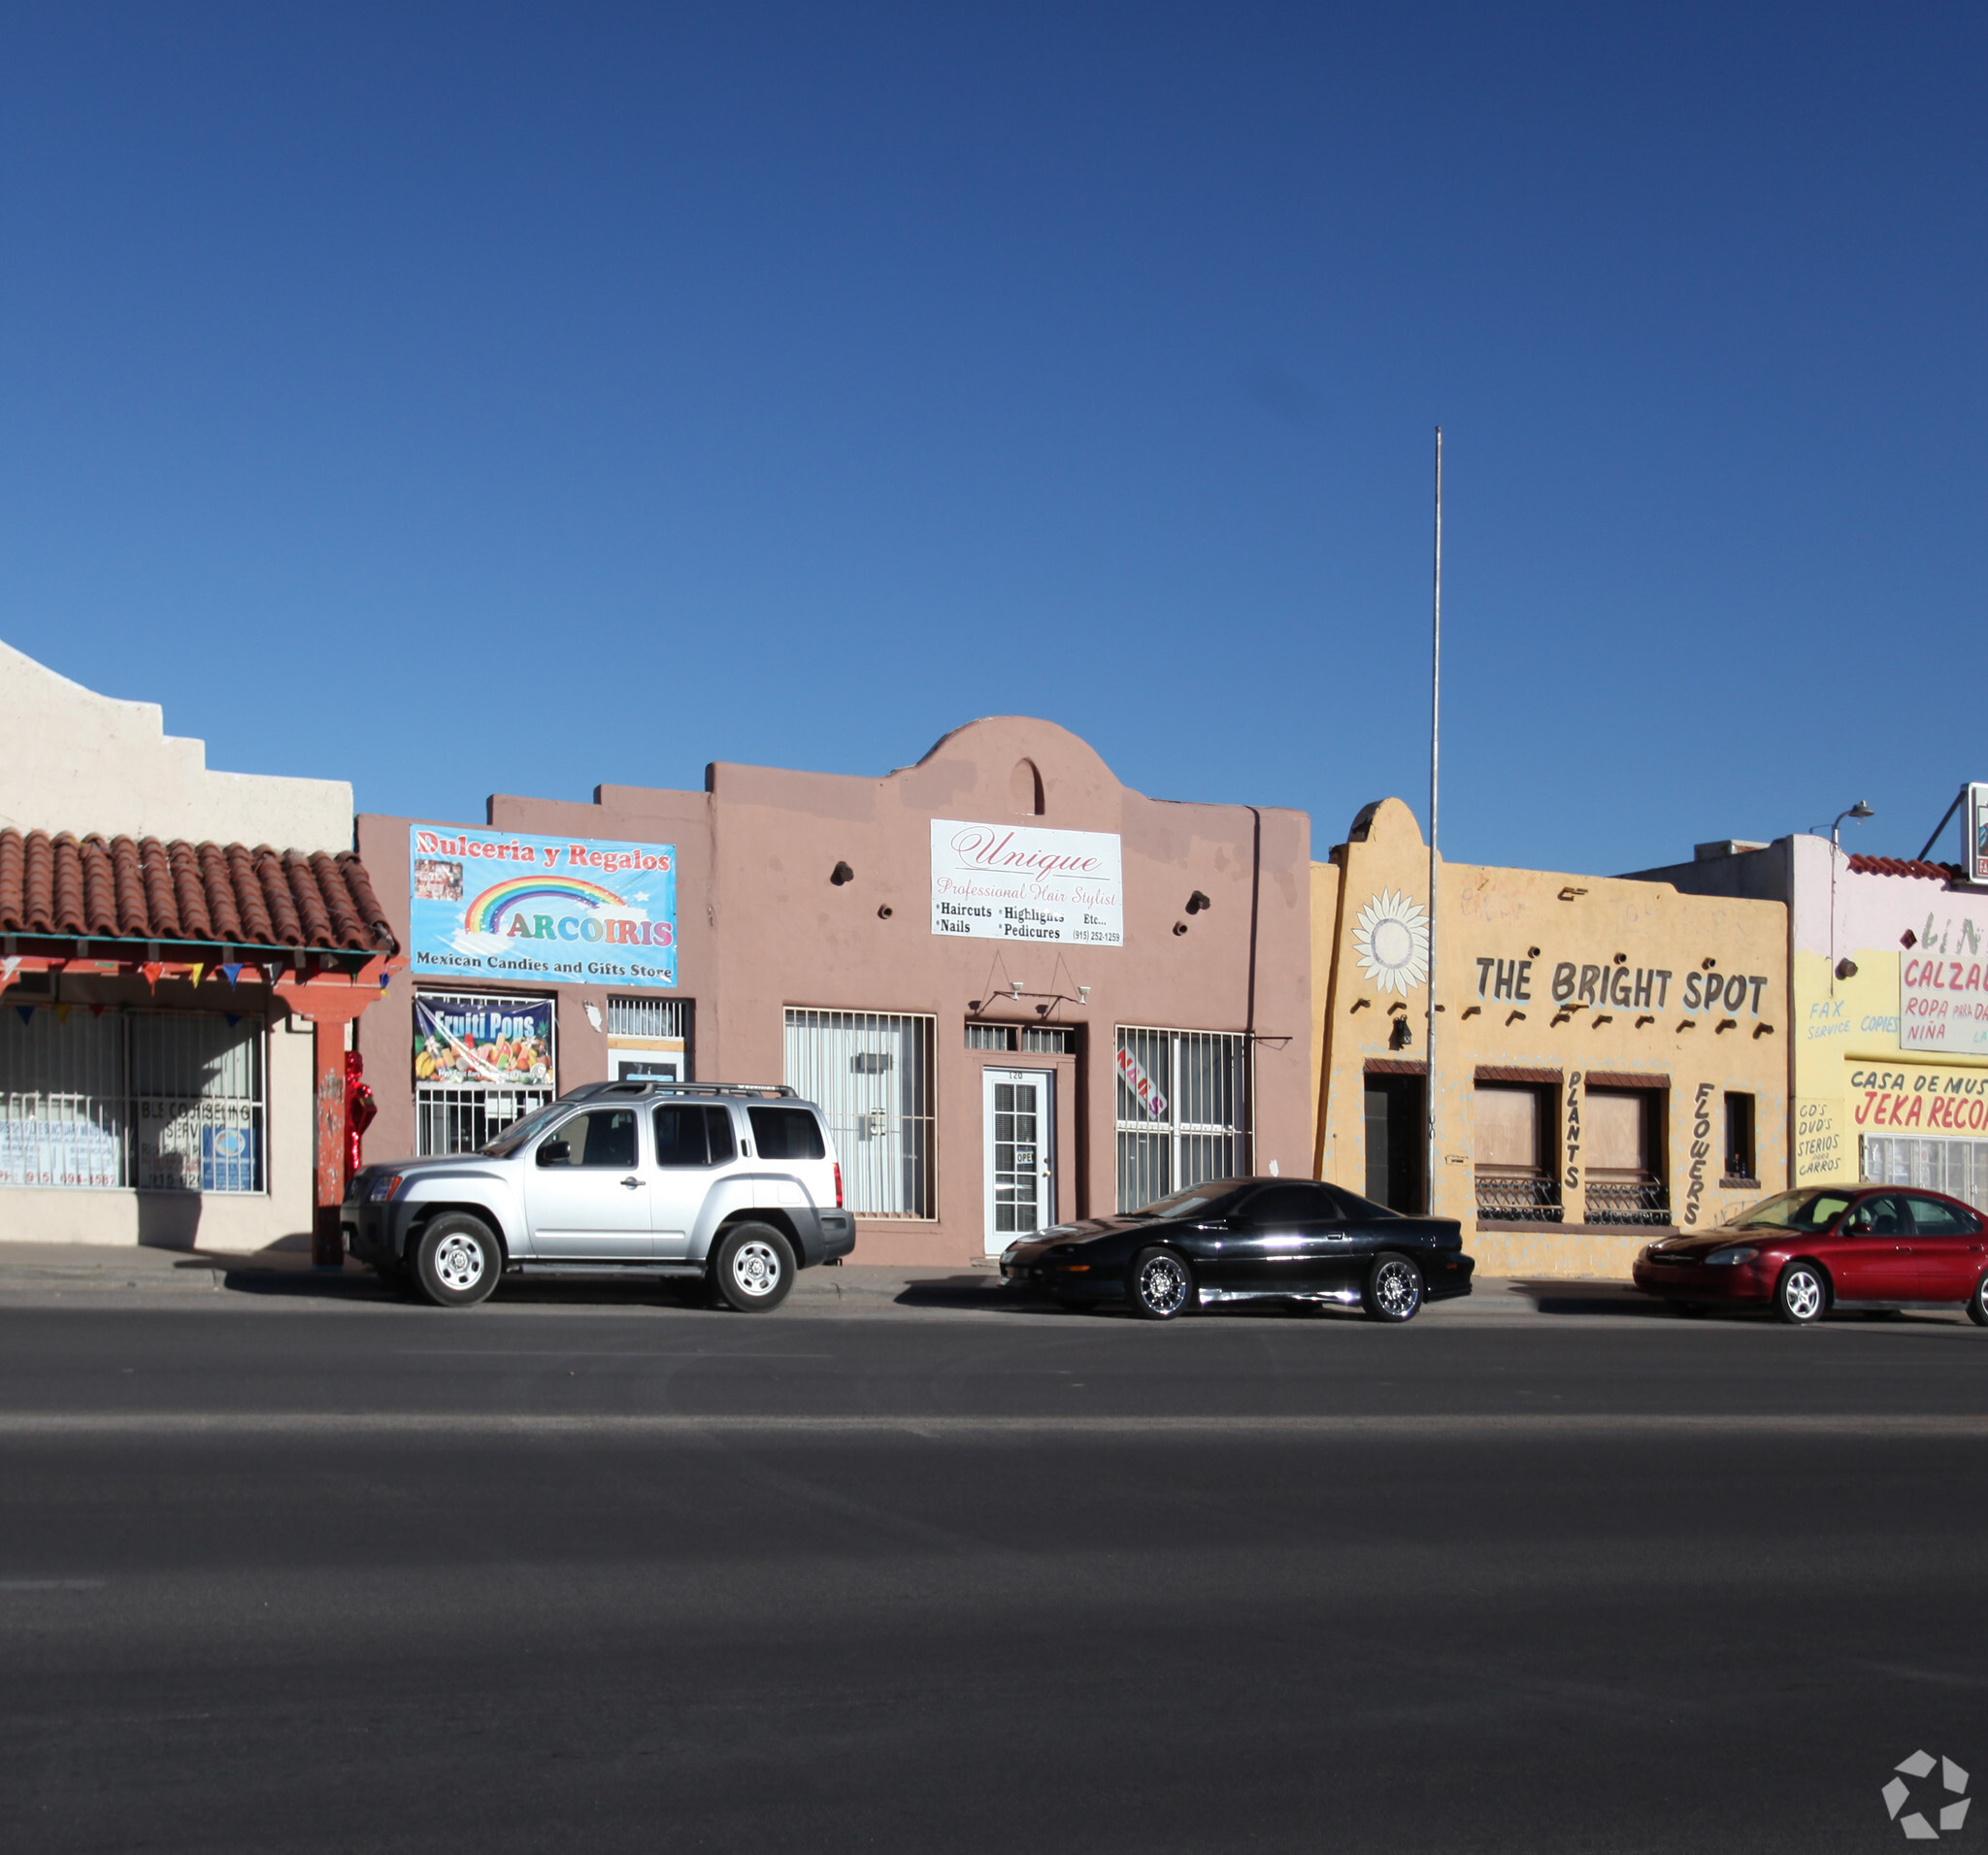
x=787, y=1133
x=1935, y=1217
x=692, y=1134
x=1360, y=1210
x=1880, y=1217
x=1792, y=1211
x=606, y=1137
x=1294, y=1204
x=1211, y=1199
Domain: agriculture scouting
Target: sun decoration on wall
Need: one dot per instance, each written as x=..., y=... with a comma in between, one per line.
x=1392, y=941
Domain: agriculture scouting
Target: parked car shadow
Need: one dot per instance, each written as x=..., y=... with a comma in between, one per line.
x=1549, y=1296
x=980, y=1294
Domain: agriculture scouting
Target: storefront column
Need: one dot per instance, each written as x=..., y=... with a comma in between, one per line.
x=331, y=1002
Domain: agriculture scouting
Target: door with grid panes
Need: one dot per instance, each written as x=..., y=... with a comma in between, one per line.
x=1019, y=1142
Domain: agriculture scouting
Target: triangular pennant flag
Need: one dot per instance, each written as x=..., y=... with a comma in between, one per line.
x=27, y=1013
x=385, y=980
x=231, y=970
x=96, y=1010
x=193, y=972
x=152, y=970
x=232, y=1018
x=273, y=971
x=62, y=1014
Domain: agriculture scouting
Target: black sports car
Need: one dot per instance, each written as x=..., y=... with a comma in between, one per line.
x=1248, y=1238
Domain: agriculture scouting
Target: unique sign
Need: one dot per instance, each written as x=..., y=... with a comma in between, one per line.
x=479, y=1041
x=1021, y=882
x=1143, y=1092
x=499, y=904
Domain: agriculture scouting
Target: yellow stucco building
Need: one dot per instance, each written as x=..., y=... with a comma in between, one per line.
x=1611, y=1055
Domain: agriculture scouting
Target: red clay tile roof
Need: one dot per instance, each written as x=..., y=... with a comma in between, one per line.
x=222, y=893
x=1904, y=866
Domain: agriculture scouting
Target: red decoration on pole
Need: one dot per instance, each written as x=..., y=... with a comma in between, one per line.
x=360, y=1109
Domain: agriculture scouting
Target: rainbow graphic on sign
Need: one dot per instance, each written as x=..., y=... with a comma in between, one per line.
x=508, y=906
x=486, y=915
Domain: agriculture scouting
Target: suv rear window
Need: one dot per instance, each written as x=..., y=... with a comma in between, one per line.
x=787, y=1133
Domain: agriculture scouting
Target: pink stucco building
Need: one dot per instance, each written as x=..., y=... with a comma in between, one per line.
x=1022, y=991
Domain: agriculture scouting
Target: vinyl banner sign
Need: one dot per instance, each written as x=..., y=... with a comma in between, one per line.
x=480, y=1040
x=1019, y=882
x=498, y=904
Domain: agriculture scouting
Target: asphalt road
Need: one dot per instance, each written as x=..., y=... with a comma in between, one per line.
x=280, y=1571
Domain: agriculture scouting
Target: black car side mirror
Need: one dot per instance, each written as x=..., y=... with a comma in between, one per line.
x=556, y=1152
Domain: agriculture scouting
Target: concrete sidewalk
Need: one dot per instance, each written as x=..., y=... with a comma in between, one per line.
x=32, y=1272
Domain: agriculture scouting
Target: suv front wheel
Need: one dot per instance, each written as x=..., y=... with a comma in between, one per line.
x=459, y=1261
x=753, y=1268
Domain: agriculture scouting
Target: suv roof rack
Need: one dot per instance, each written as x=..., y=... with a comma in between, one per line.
x=755, y=1090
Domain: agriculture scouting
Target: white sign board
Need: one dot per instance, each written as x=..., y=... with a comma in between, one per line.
x=1977, y=833
x=1943, y=989
x=1021, y=882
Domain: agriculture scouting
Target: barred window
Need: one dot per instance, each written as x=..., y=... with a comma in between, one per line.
x=1180, y=1102
x=870, y=1073
x=153, y=1100
x=1957, y=1167
x=647, y=1017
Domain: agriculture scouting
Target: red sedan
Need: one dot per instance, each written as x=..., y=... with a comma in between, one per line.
x=1827, y=1246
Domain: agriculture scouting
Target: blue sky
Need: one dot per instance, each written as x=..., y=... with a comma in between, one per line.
x=496, y=398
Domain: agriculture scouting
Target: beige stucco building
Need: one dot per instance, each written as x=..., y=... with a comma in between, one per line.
x=1610, y=1054
x=180, y=951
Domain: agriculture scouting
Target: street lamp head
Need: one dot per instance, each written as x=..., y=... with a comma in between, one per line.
x=1862, y=810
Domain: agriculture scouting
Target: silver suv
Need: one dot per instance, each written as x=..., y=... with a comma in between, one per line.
x=734, y=1184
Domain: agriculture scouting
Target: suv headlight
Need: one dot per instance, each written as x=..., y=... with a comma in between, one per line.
x=1719, y=1256
x=384, y=1188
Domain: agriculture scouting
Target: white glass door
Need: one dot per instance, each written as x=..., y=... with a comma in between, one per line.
x=1019, y=1138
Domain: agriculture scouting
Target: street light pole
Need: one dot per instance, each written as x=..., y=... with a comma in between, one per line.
x=1435, y=768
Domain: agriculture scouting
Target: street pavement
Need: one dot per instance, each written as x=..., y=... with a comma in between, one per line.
x=288, y=1564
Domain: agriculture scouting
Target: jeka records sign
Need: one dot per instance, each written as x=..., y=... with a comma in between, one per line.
x=500, y=904
x=1021, y=882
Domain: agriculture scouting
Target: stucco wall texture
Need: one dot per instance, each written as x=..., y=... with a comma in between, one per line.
x=1493, y=919
x=761, y=927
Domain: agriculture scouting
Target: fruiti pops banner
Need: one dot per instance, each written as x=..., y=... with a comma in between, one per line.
x=499, y=904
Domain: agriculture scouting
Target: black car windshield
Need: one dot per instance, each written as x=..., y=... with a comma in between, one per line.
x=1194, y=1197
x=519, y=1132
x=1815, y=1208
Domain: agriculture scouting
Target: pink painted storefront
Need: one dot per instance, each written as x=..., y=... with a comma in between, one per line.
x=1022, y=991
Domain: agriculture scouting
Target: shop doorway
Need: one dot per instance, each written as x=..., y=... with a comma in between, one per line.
x=1020, y=1129
x=1397, y=1141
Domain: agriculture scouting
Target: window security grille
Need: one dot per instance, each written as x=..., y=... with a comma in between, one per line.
x=870, y=1073
x=1043, y=1039
x=1180, y=1096
x=647, y=1017
x=159, y=1101
x=1956, y=1167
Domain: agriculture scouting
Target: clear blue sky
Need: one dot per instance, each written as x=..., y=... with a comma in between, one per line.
x=497, y=398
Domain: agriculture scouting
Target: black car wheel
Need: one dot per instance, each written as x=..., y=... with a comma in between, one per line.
x=1978, y=1304
x=1160, y=1286
x=1802, y=1295
x=459, y=1261
x=1394, y=1289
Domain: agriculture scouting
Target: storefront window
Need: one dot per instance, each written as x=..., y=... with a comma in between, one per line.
x=1515, y=1149
x=152, y=1100
x=1625, y=1145
x=482, y=1061
x=1957, y=1167
x=870, y=1073
x=649, y=1040
x=1180, y=1103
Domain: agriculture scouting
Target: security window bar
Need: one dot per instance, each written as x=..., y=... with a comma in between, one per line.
x=870, y=1074
x=1516, y=1173
x=648, y=1017
x=1180, y=1098
x=146, y=1099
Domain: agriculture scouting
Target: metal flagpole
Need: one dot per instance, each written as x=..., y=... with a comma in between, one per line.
x=1435, y=747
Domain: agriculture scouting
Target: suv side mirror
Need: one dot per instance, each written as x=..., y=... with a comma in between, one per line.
x=556, y=1152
